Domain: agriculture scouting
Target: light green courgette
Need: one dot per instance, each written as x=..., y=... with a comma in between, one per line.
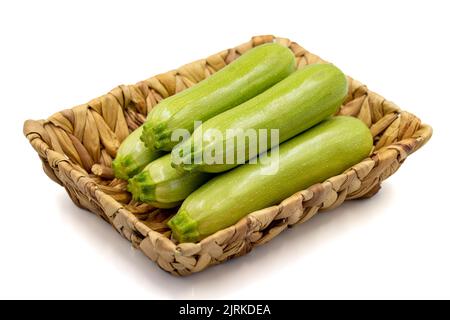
x=319, y=153
x=132, y=156
x=162, y=186
x=293, y=105
x=244, y=78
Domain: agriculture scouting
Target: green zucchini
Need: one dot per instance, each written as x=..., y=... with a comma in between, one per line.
x=132, y=156
x=244, y=78
x=162, y=186
x=312, y=157
x=293, y=105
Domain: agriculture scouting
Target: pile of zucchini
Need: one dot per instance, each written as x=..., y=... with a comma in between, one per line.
x=260, y=90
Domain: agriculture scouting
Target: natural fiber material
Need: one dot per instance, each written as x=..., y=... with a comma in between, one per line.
x=77, y=146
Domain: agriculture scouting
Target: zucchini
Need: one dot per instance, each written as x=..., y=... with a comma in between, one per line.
x=162, y=186
x=244, y=78
x=298, y=102
x=312, y=157
x=132, y=156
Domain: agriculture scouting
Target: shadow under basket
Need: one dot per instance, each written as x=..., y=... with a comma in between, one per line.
x=77, y=145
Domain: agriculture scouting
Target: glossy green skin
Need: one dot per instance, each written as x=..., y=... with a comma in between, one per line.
x=295, y=104
x=244, y=78
x=312, y=157
x=162, y=186
x=132, y=156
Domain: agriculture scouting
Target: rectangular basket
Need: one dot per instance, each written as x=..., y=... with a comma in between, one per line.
x=76, y=147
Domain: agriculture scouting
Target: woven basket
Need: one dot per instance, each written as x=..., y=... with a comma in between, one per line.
x=76, y=147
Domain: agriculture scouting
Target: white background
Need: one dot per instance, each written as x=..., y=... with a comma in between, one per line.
x=56, y=54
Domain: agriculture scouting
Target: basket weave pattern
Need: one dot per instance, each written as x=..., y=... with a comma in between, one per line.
x=77, y=146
